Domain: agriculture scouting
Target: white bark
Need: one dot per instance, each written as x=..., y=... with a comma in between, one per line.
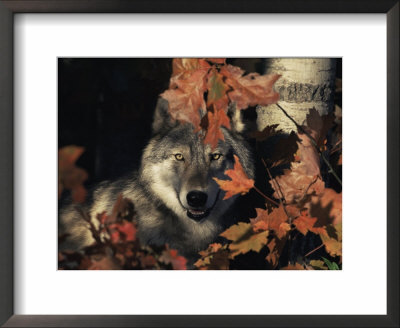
x=304, y=83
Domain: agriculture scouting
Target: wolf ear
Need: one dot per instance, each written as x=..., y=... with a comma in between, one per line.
x=241, y=121
x=161, y=119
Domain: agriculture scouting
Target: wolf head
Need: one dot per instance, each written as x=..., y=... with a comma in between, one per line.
x=178, y=168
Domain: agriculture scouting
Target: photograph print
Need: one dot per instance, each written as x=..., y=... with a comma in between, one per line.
x=200, y=164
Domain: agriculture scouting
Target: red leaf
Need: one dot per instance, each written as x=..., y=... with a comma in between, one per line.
x=240, y=183
x=171, y=256
x=147, y=261
x=122, y=232
x=186, y=91
x=68, y=155
x=250, y=90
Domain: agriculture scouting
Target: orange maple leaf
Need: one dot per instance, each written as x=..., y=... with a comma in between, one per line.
x=240, y=183
x=304, y=224
x=250, y=90
x=276, y=220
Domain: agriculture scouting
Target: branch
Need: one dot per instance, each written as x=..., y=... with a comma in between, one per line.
x=314, y=250
x=265, y=196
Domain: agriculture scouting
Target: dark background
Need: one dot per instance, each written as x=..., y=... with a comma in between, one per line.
x=106, y=105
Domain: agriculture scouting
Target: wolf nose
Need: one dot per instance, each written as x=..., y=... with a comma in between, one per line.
x=196, y=198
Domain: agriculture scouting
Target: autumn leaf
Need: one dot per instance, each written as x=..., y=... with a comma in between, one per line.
x=319, y=125
x=122, y=232
x=218, y=261
x=244, y=239
x=216, y=60
x=333, y=241
x=214, y=132
x=304, y=176
x=171, y=256
x=304, y=224
x=267, y=132
x=318, y=265
x=275, y=247
x=326, y=206
x=215, y=257
x=184, y=67
x=250, y=90
x=186, y=91
x=68, y=155
x=214, y=247
x=216, y=96
x=275, y=220
x=240, y=183
x=147, y=261
x=340, y=161
x=70, y=176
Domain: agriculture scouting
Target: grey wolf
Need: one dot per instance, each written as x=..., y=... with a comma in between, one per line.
x=175, y=197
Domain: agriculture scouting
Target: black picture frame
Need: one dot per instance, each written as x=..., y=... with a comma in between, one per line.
x=10, y=7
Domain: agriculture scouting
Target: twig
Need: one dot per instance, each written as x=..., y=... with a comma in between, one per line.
x=300, y=128
x=282, y=196
x=265, y=196
x=314, y=250
x=280, y=191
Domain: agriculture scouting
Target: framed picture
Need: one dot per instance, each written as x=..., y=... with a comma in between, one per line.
x=98, y=75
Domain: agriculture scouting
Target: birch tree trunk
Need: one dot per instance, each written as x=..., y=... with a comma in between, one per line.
x=304, y=83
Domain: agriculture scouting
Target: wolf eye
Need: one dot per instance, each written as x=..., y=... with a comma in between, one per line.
x=179, y=157
x=215, y=157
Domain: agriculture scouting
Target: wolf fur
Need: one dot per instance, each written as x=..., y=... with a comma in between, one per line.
x=160, y=188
